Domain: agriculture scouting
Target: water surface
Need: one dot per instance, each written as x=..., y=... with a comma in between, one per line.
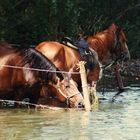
x=118, y=120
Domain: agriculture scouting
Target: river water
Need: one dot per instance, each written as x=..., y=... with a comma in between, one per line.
x=118, y=120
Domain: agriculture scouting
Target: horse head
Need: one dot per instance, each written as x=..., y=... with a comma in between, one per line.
x=120, y=44
x=68, y=92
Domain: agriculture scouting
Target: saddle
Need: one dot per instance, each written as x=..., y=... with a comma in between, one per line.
x=70, y=43
x=86, y=54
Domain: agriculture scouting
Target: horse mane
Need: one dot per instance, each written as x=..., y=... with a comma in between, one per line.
x=37, y=60
x=32, y=57
x=97, y=38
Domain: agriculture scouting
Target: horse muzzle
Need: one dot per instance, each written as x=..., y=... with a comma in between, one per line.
x=81, y=105
x=78, y=103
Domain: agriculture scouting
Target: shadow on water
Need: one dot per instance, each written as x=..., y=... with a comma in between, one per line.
x=112, y=121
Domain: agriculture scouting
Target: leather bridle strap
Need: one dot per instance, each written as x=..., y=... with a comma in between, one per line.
x=66, y=97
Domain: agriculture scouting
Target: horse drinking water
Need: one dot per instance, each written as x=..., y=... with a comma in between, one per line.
x=110, y=45
x=21, y=76
x=67, y=58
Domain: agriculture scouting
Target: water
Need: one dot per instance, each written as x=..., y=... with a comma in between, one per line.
x=119, y=120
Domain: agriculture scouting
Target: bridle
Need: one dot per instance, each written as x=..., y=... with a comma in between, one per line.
x=67, y=98
x=114, y=49
x=121, y=57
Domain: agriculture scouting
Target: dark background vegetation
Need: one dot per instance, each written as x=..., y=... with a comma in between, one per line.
x=33, y=21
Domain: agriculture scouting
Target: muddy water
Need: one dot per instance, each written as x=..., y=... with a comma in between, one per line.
x=118, y=120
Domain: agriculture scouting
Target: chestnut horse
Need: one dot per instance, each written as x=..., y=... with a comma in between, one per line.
x=67, y=58
x=110, y=44
x=111, y=47
x=21, y=76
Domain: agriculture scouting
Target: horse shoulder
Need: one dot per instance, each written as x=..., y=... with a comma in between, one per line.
x=54, y=51
x=72, y=56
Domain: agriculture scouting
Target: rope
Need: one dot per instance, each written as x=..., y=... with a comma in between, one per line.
x=58, y=88
x=21, y=102
x=26, y=103
x=42, y=70
x=109, y=65
x=40, y=106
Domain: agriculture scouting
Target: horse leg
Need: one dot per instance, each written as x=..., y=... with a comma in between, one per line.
x=93, y=96
x=119, y=78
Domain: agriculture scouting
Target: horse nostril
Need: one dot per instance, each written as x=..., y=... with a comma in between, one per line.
x=81, y=105
x=67, y=86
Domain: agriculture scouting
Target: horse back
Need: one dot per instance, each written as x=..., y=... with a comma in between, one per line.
x=57, y=53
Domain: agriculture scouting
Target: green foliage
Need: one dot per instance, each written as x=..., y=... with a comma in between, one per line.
x=33, y=21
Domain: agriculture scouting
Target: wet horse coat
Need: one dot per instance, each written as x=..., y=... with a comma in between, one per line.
x=110, y=45
x=18, y=81
x=66, y=59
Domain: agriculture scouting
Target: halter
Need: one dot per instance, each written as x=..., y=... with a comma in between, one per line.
x=62, y=93
x=116, y=45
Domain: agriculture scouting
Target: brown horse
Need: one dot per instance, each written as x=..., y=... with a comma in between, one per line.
x=18, y=81
x=110, y=45
x=66, y=59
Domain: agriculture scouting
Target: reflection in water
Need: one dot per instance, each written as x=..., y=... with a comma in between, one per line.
x=112, y=121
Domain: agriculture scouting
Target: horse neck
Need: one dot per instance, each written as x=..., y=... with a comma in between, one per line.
x=22, y=70
x=46, y=70
x=102, y=43
x=72, y=57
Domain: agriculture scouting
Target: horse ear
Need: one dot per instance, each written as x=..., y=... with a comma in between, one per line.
x=118, y=30
x=113, y=26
